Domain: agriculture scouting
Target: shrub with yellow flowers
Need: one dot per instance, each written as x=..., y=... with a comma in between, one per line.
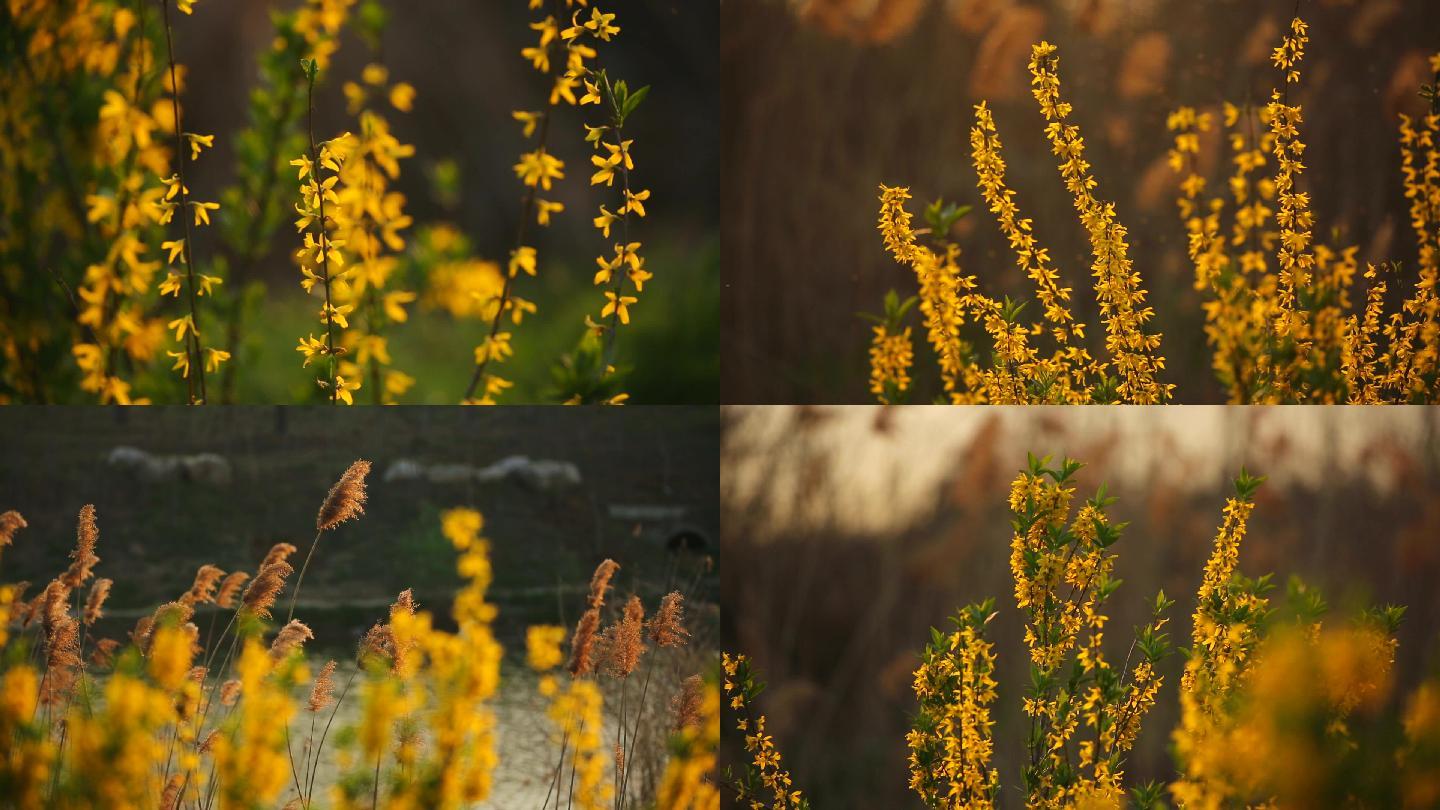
x=1085, y=713
x=764, y=782
x=176, y=718
x=566, y=55
x=1280, y=705
x=1284, y=318
x=100, y=166
x=1291, y=329
x=102, y=84
x=1016, y=370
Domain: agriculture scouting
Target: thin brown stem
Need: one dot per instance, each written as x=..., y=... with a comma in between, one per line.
x=320, y=747
x=559, y=769
x=299, y=580
x=634, y=735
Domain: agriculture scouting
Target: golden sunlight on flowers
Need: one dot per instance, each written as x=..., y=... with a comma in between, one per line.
x=237, y=713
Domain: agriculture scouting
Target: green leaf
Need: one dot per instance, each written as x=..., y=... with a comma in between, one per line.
x=905, y=307
x=1246, y=485
x=632, y=101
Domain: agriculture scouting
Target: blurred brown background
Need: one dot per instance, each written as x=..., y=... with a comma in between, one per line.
x=822, y=100
x=862, y=527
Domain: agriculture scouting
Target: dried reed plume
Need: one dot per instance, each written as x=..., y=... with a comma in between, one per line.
x=62, y=644
x=378, y=643
x=141, y=634
x=198, y=672
x=169, y=613
x=290, y=637
x=320, y=693
x=95, y=602
x=53, y=603
x=209, y=742
x=172, y=613
x=623, y=642
x=229, y=589
x=19, y=609
x=230, y=692
x=280, y=552
x=686, y=704
x=83, y=559
x=104, y=653
x=10, y=523
x=263, y=590
x=346, y=499
x=619, y=764
x=667, y=628
x=582, y=644
x=170, y=799
x=404, y=603
x=202, y=590
x=600, y=581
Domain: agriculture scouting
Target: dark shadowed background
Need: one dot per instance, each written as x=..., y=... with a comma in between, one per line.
x=645, y=477
x=823, y=100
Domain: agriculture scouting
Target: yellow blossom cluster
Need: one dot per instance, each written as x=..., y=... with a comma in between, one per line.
x=947, y=298
x=1032, y=259
x=1228, y=618
x=1133, y=351
x=1062, y=570
x=1285, y=739
x=891, y=356
x=321, y=260
x=1232, y=269
x=100, y=155
x=55, y=46
x=1279, y=706
x=459, y=283
x=114, y=194
x=1266, y=706
x=766, y=784
x=111, y=202
x=373, y=217
x=621, y=273
x=561, y=60
x=576, y=711
x=951, y=742
x=1290, y=331
x=1019, y=371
